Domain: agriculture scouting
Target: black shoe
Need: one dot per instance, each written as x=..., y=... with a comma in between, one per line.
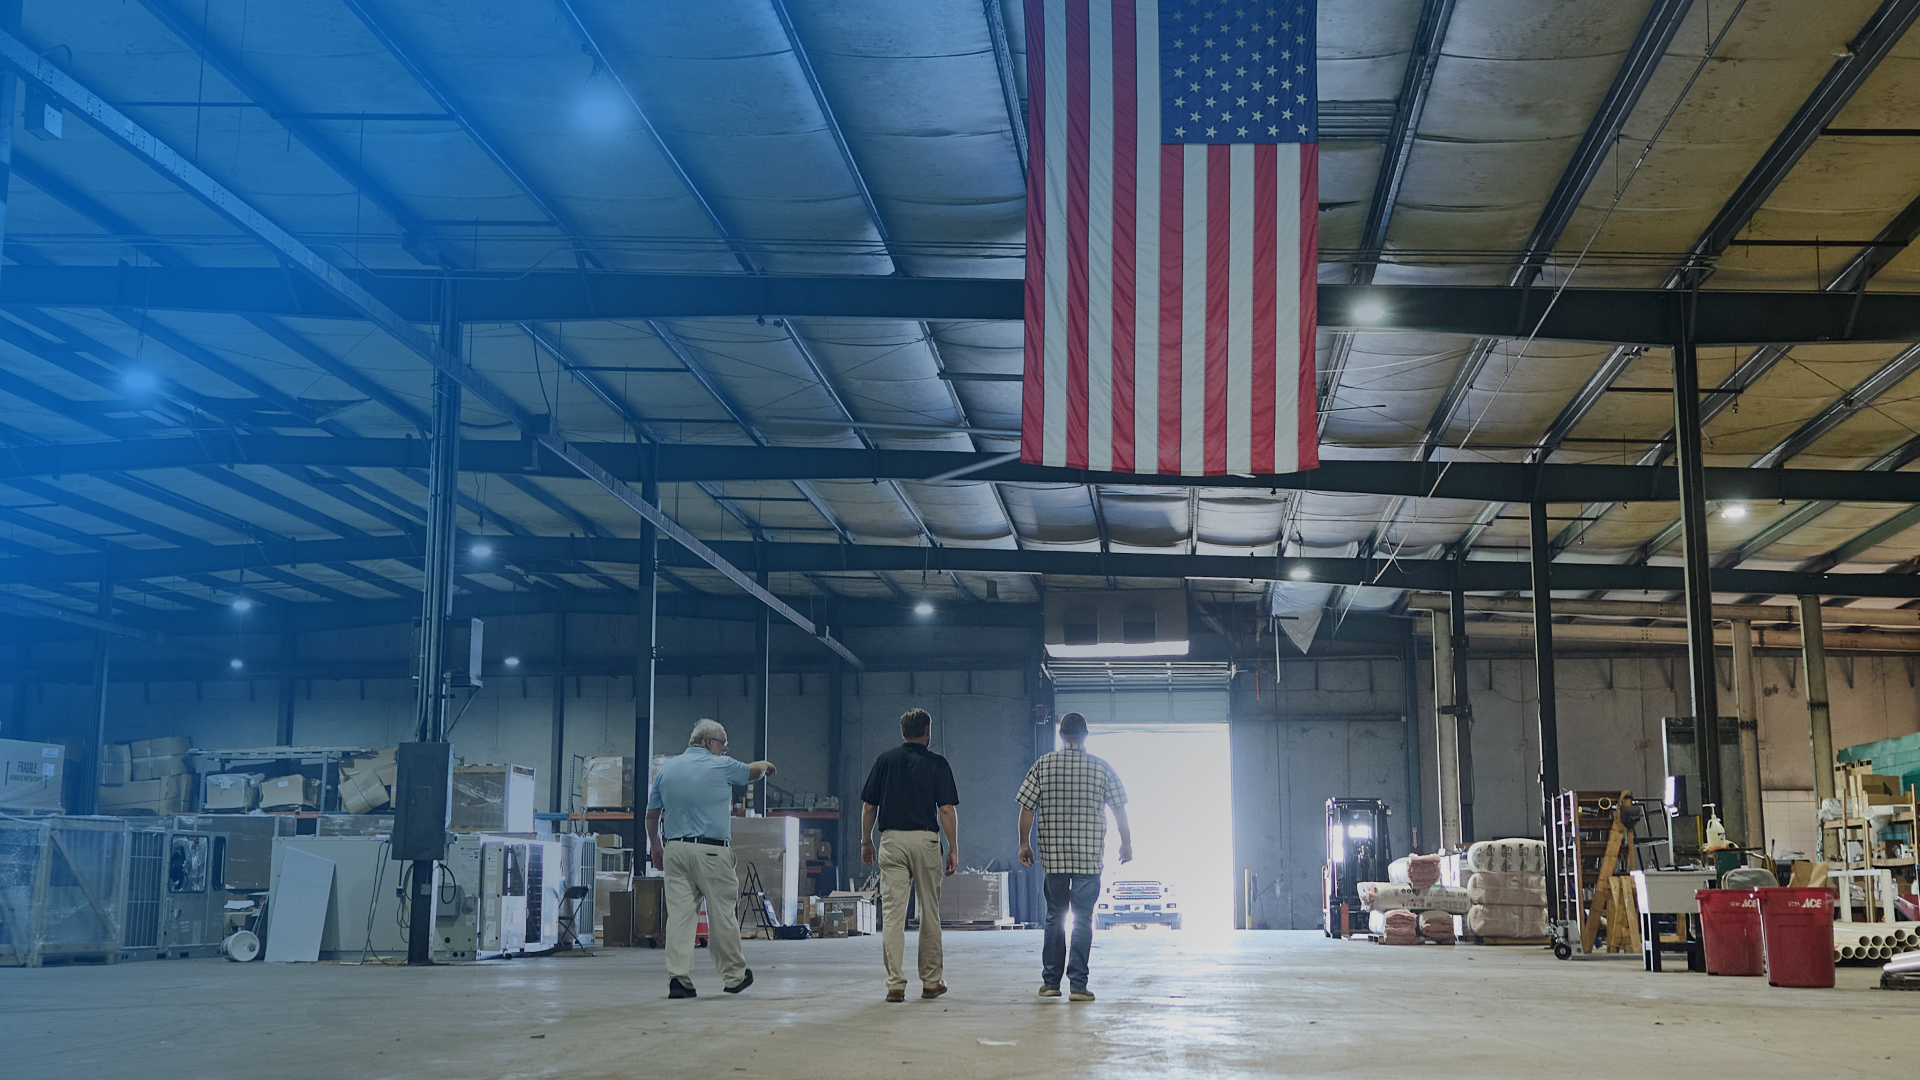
x=681, y=988
x=742, y=984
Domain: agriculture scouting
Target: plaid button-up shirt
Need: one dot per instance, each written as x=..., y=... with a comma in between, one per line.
x=1069, y=791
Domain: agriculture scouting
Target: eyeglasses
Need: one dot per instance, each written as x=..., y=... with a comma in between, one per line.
x=722, y=742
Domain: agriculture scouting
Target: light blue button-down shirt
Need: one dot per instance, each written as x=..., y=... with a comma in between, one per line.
x=696, y=792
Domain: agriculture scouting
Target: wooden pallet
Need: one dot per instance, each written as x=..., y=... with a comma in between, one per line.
x=1476, y=939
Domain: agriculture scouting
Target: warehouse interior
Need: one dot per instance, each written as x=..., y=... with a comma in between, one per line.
x=524, y=382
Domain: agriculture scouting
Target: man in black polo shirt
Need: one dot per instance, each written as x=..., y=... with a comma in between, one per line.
x=911, y=793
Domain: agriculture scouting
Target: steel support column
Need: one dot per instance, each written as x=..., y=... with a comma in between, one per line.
x=88, y=788
x=1410, y=729
x=1462, y=708
x=1813, y=658
x=1542, y=553
x=1703, y=680
x=436, y=604
x=646, y=652
x=762, y=670
x=1446, y=735
x=1746, y=694
x=283, y=727
x=557, y=752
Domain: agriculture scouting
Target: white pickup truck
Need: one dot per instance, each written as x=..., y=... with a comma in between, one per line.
x=1137, y=903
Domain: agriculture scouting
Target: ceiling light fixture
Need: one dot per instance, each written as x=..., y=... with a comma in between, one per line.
x=1300, y=573
x=1369, y=311
x=236, y=663
x=140, y=381
x=480, y=551
x=242, y=604
x=924, y=607
x=511, y=661
x=1733, y=511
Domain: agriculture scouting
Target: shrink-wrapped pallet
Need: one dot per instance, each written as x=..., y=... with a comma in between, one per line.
x=1387, y=896
x=1508, y=890
x=1419, y=871
x=1503, y=921
x=1516, y=856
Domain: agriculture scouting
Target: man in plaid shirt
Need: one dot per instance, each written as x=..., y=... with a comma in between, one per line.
x=1070, y=790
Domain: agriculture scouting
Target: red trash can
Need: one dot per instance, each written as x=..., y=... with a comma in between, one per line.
x=1730, y=931
x=1797, y=927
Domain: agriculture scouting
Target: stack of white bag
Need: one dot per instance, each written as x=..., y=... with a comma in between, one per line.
x=1506, y=882
x=1413, y=890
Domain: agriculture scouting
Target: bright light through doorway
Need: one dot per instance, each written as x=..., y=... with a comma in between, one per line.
x=1180, y=804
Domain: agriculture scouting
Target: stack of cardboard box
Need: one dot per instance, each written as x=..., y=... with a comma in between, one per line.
x=159, y=780
x=30, y=775
x=366, y=784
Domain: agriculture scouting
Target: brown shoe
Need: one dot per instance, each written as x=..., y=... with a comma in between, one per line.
x=934, y=991
x=897, y=995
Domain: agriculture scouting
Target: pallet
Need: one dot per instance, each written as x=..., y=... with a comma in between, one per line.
x=1476, y=939
x=1378, y=940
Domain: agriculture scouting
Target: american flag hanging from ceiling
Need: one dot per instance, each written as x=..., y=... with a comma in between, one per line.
x=1172, y=206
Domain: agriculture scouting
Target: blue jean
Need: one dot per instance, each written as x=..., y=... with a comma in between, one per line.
x=1077, y=892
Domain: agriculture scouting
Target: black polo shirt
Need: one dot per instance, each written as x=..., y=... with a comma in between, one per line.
x=908, y=783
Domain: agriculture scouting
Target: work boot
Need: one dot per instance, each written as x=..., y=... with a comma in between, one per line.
x=933, y=991
x=1049, y=991
x=1080, y=993
x=679, y=987
x=742, y=984
x=897, y=995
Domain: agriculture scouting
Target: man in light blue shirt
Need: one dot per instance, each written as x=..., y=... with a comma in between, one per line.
x=689, y=831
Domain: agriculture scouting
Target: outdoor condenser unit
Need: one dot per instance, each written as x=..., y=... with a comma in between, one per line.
x=499, y=896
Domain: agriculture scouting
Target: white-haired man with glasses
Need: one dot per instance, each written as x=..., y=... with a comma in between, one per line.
x=689, y=832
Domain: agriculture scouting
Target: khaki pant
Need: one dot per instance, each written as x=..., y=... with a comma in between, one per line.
x=694, y=872
x=911, y=860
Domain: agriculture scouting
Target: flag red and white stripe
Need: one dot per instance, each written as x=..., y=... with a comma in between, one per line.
x=1170, y=286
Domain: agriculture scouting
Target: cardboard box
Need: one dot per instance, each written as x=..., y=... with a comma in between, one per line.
x=171, y=746
x=293, y=792
x=608, y=783
x=833, y=924
x=362, y=793
x=377, y=767
x=232, y=791
x=152, y=768
x=160, y=796
x=116, y=753
x=115, y=773
x=31, y=775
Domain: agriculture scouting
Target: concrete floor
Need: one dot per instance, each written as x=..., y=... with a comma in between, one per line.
x=1171, y=1005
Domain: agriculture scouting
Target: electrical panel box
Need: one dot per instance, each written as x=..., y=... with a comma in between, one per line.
x=422, y=801
x=463, y=643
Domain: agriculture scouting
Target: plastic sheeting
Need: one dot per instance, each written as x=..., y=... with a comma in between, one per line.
x=1385, y=896
x=1516, y=856
x=1502, y=921
x=1512, y=890
x=55, y=877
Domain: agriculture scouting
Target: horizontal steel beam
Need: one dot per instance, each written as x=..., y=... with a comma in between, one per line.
x=1482, y=481
x=1427, y=575
x=1633, y=316
x=1677, y=635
